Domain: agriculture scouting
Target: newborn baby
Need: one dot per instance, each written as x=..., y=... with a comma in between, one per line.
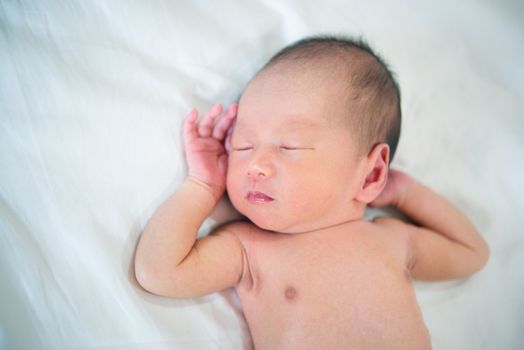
x=303, y=153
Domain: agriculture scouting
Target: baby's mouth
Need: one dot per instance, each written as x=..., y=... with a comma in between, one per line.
x=258, y=197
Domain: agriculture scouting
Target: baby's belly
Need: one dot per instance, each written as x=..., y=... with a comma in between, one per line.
x=325, y=310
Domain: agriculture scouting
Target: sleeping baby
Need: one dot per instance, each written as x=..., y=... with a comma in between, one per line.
x=303, y=153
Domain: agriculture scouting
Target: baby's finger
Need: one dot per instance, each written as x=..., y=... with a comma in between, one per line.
x=225, y=122
x=205, y=127
x=190, y=130
x=227, y=142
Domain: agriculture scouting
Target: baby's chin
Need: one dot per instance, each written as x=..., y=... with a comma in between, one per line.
x=265, y=218
x=255, y=216
x=266, y=223
x=261, y=222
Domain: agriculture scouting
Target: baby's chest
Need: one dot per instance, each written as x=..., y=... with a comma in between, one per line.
x=326, y=291
x=305, y=273
x=347, y=290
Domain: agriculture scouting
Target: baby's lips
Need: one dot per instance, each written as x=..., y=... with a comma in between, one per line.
x=258, y=197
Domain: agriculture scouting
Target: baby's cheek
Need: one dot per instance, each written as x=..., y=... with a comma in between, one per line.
x=303, y=196
x=236, y=200
x=232, y=172
x=313, y=196
x=234, y=189
x=312, y=183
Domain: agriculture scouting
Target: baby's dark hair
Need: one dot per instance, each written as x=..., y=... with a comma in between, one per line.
x=373, y=93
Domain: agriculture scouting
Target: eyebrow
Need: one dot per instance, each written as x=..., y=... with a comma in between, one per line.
x=301, y=122
x=296, y=122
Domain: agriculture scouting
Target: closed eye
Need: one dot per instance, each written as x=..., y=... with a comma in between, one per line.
x=246, y=148
x=290, y=148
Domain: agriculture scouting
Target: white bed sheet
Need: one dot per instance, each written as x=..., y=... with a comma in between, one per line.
x=92, y=96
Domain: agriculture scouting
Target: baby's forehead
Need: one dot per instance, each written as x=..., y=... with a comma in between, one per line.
x=302, y=97
x=289, y=87
x=285, y=121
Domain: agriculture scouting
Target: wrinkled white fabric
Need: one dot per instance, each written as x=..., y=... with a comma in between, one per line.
x=92, y=97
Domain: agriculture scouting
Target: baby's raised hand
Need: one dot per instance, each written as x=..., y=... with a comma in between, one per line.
x=205, y=146
x=394, y=191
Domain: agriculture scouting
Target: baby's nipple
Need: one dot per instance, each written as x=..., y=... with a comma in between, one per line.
x=290, y=293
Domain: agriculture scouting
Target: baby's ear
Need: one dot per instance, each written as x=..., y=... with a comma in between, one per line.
x=376, y=174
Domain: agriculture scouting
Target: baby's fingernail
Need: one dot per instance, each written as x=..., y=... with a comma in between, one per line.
x=216, y=108
x=192, y=112
x=233, y=108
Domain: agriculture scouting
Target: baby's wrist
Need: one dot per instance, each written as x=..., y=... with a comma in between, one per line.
x=215, y=192
x=404, y=185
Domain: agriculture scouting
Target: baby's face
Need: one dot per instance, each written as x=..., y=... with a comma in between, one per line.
x=290, y=169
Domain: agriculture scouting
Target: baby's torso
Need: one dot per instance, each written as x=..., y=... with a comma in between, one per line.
x=337, y=289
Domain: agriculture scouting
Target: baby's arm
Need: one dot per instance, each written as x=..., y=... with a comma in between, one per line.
x=444, y=243
x=169, y=260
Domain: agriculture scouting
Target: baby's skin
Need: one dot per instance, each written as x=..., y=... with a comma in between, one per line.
x=309, y=271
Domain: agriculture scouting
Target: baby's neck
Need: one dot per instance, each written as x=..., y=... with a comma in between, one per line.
x=354, y=213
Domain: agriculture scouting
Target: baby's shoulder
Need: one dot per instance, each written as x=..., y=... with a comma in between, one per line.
x=390, y=233
x=244, y=230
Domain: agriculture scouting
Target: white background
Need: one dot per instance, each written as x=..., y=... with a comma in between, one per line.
x=92, y=97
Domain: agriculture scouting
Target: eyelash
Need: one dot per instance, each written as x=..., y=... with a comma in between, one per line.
x=242, y=149
x=285, y=148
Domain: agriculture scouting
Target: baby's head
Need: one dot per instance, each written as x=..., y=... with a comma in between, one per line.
x=315, y=131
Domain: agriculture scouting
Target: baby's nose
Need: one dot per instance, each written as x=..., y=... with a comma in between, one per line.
x=256, y=172
x=260, y=167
